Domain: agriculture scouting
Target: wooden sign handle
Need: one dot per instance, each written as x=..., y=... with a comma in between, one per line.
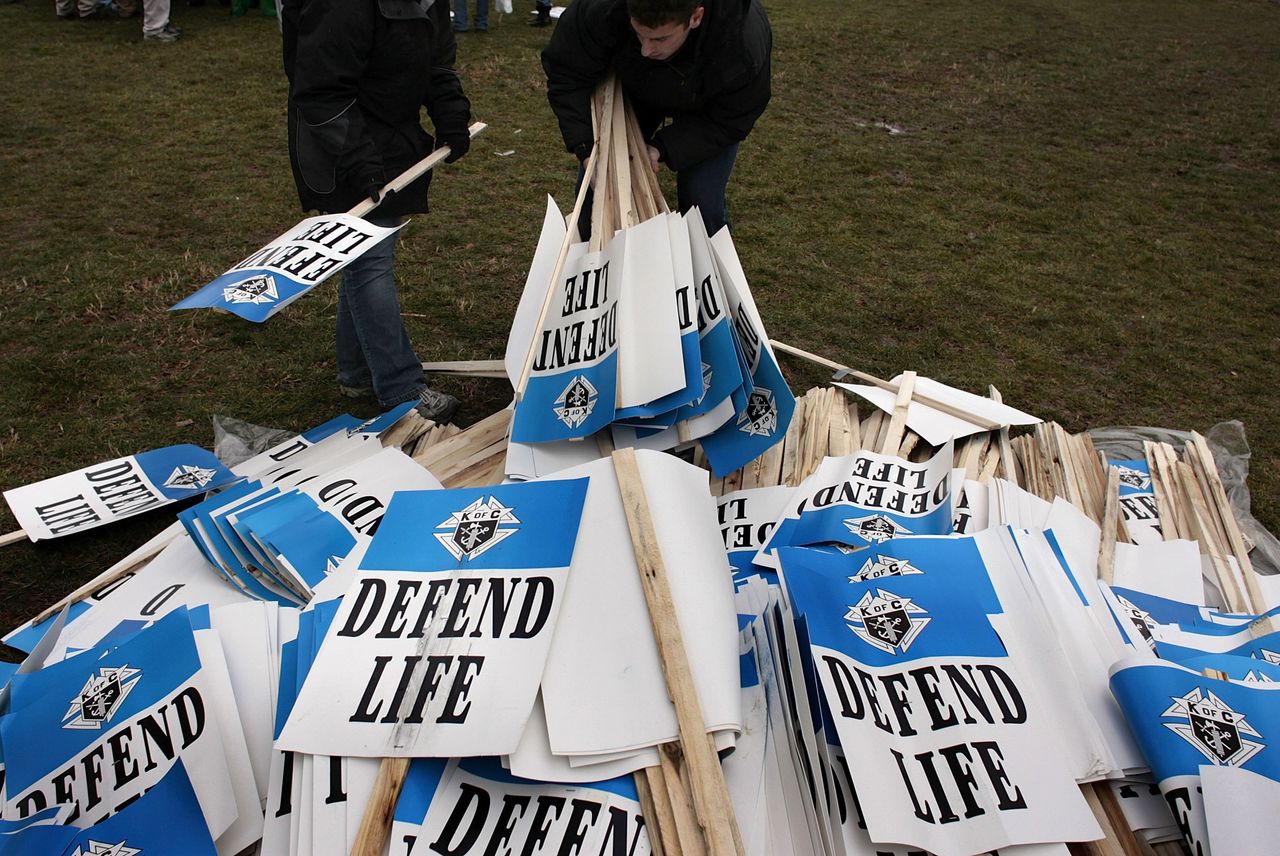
x=413, y=173
x=711, y=801
x=941, y=406
x=13, y=537
x=375, y=825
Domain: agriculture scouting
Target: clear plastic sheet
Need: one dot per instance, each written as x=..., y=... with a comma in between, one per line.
x=236, y=441
x=1231, y=455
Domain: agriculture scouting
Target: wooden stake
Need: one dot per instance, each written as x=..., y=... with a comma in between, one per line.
x=893, y=436
x=375, y=824
x=467, y=368
x=1217, y=498
x=710, y=795
x=413, y=173
x=13, y=537
x=554, y=279
x=655, y=808
x=883, y=384
x=1008, y=467
x=1110, y=516
x=1119, y=839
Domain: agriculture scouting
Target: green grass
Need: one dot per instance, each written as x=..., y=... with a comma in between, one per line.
x=1082, y=208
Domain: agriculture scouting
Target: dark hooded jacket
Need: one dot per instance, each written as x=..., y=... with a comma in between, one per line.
x=359, y=73
x=713, y=89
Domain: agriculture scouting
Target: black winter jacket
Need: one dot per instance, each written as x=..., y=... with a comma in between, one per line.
x=359, y=72
x=714, y=89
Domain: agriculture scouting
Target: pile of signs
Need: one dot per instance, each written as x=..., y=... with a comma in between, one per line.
x=649, y=329
x=927, y=656
x=899, y=632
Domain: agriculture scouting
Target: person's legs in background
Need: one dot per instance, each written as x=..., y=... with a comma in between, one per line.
x=374, y=353
x=704, y=184
x=373, y=347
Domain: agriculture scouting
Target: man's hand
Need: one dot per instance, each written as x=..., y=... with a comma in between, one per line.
x=654, y=155
x=459, y=144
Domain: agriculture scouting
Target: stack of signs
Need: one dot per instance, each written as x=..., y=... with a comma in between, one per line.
x=98, y=730
x=953, y=750
x=656, y=334
x=278, y=537
x=114, y=490
x=287, y=268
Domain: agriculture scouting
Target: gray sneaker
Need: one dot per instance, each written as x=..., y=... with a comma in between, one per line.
x=439, y=407
x=162, y=36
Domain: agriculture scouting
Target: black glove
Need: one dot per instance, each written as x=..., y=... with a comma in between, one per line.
x=582, y=151
x=459, y=144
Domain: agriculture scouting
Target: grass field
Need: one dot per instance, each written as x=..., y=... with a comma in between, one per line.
x=1075, y=201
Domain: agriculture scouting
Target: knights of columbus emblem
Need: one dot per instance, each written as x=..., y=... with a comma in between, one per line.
x=1140, y=619
x=189, y=477
x=101, y=848
x=255, y=289
x=576, y=402
x=1130, y=477
x=760, y=419
x=475, y=528
x=884, y=566
x=888, y=622
x=875, y=528
x=101, y=697
x=1213, y=728
x=706, y=382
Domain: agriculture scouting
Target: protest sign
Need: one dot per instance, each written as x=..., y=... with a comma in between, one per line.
x=474, y=806
x=178, y=577
x=97, y=730
x=938, y=412
x=573, y=373
x=274, y=276
x=952, y=753
x=686, y=316
x=114, y=490
x=864, y=499
x=463, y=614
x=1185, y=721
x=263, y=283
x=763, y=418
x=650, y=352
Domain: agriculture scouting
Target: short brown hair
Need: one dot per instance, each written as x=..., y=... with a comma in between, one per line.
x=656, y=13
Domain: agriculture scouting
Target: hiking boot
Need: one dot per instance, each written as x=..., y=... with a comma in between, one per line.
x=543, y=17
x=439, y=407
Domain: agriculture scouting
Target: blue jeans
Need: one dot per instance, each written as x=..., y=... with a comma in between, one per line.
x=703, y=184
x=460, y=22
x=372, y=342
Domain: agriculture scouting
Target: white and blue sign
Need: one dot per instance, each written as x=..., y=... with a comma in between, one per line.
x=287, y=268
x=101, y=728
x=865, y=499
x=448, y=623
x=573, y=378
x=114, y=490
